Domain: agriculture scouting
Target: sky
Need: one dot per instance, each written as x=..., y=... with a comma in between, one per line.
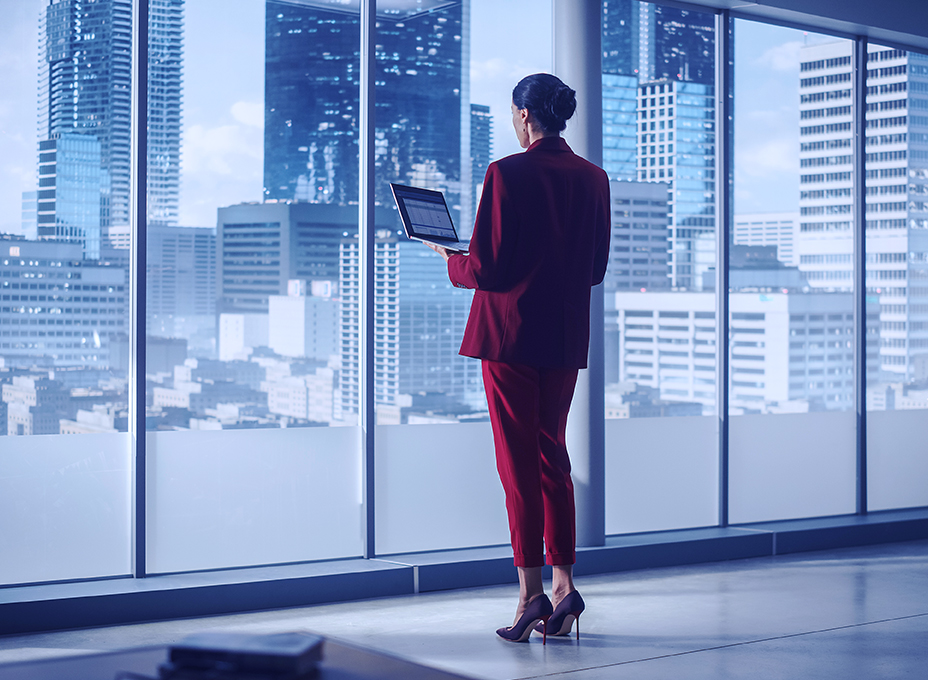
x=222, y=146
x=767, y=116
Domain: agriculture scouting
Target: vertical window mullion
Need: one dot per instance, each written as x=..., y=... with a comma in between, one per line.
x=366, y=412
x=137, y=279
x=724, y=84
x=860, y=265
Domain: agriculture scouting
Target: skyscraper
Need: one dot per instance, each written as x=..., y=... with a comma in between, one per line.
x=620, y=87
x=419, y=320
x=677, y=146
x=660, y=62
x=262, y=246
x=897, y=182
x=675, y=43
x=165, y=98
x=181, y=288
x=85, y=77
x=70, y=187
x=312, y=100
x=481, y=152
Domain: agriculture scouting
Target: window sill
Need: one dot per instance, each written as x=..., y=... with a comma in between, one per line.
x=26, y=609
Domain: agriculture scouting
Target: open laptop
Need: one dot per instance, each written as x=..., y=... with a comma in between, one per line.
x=426, y=217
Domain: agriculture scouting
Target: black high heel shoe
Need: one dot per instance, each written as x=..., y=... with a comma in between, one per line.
x=568, y=610
x=537, y=613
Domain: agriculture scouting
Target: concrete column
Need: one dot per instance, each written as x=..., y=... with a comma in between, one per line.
x=578, y=62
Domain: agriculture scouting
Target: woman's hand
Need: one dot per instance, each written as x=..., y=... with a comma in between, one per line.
x=441, y=251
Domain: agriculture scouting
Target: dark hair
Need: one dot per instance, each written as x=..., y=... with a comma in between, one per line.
x=547, y=98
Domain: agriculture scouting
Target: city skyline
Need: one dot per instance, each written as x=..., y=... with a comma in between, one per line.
x=222, y=156
x=292, y=257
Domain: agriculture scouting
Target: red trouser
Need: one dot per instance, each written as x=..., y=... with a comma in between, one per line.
x=528, y=410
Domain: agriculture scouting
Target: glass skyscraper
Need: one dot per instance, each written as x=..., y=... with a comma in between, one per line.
x=481, y=153
x=84, y=89
x=312, y=101
x=652, y=56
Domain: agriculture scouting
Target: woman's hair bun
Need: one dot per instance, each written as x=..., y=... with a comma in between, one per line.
x=563, y=102
x=547, y=98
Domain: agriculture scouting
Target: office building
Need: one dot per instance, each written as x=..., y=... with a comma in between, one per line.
x=165, y=103
x=481, y=153
x=652, y=55
x=419, y=321
x=769, y=229
x=70, y=185
x=28, y=228
x=620, y=88
x=85, y=80
x=181, y=284
x=639, y=243
x=262, y=246
x=897, y=177
x=676, y=144
x=311, y=103
x=789, y=351
x=620, y=106
x=304, y=323
x=57, y=309
x=675, y=44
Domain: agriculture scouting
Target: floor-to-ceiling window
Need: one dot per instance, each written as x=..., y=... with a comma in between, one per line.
x=660, y=141
x=897, y=276
x=791, y=285
x=64, y=291
x=445, y=82
x=253, y=284
x=252, y=340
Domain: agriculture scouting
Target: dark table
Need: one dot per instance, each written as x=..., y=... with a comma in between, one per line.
x=341, y=661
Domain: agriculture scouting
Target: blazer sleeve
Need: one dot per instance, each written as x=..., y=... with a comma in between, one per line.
x=604, y=231
x=493, y=242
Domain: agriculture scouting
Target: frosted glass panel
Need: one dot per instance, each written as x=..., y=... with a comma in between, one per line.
x=233, y=498
x=661, y=474
x=897, y=459
x=437, y=488
x=794, y=465
x=64, y=507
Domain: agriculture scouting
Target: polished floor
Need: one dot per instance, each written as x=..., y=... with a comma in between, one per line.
x=841, y=614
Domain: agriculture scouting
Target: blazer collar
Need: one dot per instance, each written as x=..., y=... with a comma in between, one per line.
x=554, y=143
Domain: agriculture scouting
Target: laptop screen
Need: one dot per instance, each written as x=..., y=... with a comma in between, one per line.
x=424, y=213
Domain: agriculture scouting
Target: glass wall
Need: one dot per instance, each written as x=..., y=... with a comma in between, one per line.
x=897, y=276
x=442, y=115
x=659, y=143
x=791, y=286
x=252, y=286
x=64, y=296
x=253, y=278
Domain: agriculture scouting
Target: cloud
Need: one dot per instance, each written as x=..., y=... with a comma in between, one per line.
x=249, y=113
x=221, y=165
x=220, y=150
x=767, y=157
x=783, y=57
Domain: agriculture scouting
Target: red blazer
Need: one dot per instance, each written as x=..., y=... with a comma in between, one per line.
x=540, y=242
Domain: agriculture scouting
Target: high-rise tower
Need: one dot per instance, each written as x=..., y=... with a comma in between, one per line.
x=85, y=77
x=897, y=182
x=481, y=151
x=312, y=103
x=659, y=62
x=165, y=99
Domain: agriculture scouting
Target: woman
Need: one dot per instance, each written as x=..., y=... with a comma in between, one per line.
x=540, y=241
